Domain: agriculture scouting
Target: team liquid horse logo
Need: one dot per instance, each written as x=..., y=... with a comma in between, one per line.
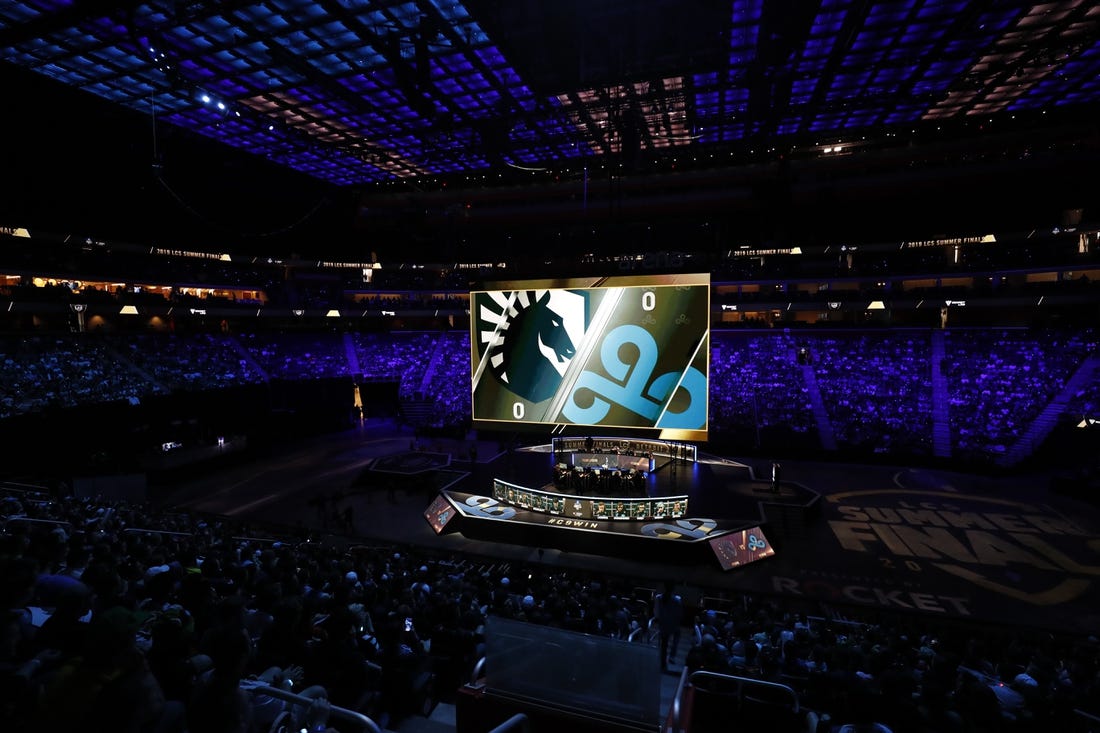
x=529, y=342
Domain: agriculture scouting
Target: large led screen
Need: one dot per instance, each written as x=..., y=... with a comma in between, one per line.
x=628, y=352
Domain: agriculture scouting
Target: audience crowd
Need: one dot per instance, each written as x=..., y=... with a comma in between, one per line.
x=901, y=674
x=450, y=394
x=872, y=390
x=755, y=383
x=201, y=361
x=123, y=617
x=39, y=372
x=401, y=356
x=877, y=388
x=297, y=355
x=1007, y=378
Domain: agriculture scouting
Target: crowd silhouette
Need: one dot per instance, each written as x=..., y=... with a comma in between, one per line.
x=121, y=616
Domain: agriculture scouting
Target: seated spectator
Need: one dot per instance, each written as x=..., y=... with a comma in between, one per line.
x=218, y=704
x=109, y=686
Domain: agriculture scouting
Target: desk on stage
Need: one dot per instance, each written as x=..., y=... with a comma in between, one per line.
x=612, y=461
x=575, y=524
x=627, y=447
x=604, y=473
x=590, y=508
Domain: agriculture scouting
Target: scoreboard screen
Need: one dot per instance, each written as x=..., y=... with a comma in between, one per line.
x=628, y=352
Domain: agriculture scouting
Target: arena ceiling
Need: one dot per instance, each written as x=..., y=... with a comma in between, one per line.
x=353, y=92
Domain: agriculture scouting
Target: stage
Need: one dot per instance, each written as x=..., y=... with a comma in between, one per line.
x=847, y=537
x=673, y=514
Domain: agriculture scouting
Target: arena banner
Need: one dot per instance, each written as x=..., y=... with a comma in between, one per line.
x=953, y=553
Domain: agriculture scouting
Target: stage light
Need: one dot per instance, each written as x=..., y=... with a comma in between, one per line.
x=205, y=99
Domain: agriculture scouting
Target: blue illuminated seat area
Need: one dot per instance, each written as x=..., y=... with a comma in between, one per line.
x=874, y=389
x=401, y=357
x=877, y=389
x=999, y=381
x=752, y=384
x=311, y=355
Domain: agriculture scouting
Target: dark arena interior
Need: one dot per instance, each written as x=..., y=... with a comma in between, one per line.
x=621, y=365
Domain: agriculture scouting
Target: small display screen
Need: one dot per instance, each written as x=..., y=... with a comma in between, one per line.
x=739, y=548
x=439, y=513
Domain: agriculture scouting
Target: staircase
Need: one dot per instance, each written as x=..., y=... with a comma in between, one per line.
x=134, y=368
x=1041, y=426
x=417, y=411
x=941, y=403
x=821, y=416
x=246, y=355
x=429, y=371
x=352, y=356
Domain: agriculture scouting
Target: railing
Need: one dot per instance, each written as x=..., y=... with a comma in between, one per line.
x=272, y=540
x=335, y=711
x=516, y=722
x=145, y=530
x=1087, y=716
x=476, y=674
x=16, y=487
x=706, y=701
x=835, y=619
x=742, y=684
x=641, y=630
x=370, y=548
x=32, y=520
x=172, y=533
x=650, y=630
x=677, y=705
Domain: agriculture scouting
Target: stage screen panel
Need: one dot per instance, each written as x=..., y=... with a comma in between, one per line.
x=439, y=513
x=740, y=548
x=630, y=353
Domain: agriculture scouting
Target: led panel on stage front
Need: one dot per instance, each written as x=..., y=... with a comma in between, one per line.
x=628, y=352
x=439, y=513
x=735, y=549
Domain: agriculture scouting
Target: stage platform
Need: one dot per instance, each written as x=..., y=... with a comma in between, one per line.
x=716, y=487
x=895, y=538
x=672, y=514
